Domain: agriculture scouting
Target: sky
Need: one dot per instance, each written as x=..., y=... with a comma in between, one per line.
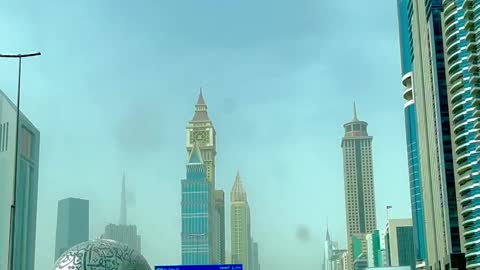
x=117, y=82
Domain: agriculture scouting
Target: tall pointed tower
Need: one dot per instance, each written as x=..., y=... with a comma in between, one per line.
x=122, y=232
x=358, y=174
x=200, y=131
x=123, y=207
x=240, y=227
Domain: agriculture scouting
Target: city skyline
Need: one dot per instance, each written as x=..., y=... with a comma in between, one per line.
x=266, y=112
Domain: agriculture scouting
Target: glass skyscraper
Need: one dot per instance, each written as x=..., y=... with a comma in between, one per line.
x=404, y=16
x=461, y=21
x=196, y=212
x=72, y=224
x=201, y=132
x=442, y=224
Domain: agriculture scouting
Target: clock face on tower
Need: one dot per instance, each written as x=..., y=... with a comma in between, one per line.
x=199, y=136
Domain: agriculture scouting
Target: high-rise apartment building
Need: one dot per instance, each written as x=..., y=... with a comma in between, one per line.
x=416, y=196
x=72, y=224
x=399, y=243
x=196, y=213
x=359, y=186
x=23, y=234
x=442, y=220
x=122, y=232
x=461, y=20
x=239, y=213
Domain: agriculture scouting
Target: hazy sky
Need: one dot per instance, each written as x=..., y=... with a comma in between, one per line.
x=118, y=80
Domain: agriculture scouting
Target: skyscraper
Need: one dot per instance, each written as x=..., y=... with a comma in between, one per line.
x=358, y=174
x=200, y=132
x=256, y=259
x=399, y=243
x=122, y=232
x=239, y=214
x=196, y=212
x=72, y=224
x=436, y=165
x=24, y=229
x=416, y=197
x=220, y=208
x=460, y=29
x=329, y=262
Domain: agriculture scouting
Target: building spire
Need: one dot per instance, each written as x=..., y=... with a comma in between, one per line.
x=355, y=118
x=200, y=100
x=238, y=193
x=123, y=209
x=201, y=114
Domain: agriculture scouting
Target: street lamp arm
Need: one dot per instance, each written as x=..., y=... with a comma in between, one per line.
x=20, y=55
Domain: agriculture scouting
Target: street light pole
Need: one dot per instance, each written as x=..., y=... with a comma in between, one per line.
x=12, y=206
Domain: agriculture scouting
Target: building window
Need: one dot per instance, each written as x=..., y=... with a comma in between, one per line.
x=4, y=137
x=26, y=143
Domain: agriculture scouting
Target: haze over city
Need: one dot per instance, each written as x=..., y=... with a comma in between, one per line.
x=117, y=83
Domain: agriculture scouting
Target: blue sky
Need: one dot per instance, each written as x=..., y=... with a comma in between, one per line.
x=118, y=80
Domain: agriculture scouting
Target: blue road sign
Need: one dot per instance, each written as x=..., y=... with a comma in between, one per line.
x=201, y=267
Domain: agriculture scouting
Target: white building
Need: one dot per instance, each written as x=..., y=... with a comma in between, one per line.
x=399, y=243
x=26, y=186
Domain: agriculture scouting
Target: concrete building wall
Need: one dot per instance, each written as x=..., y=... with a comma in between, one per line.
x=26, y=187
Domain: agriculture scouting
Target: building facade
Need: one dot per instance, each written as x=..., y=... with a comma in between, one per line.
x=220, y=209
x=461, y=20
x=24, y=229
x=123, y=232
x=442, y=221
x=256, y=259
x=201, y=132
x=329, y=249
x=399, y=243
x=72, y=224
x=239, y=213
x=359, y=184
x=376, y=248
x=416, y=196
x=196, y=213
x=126, y=234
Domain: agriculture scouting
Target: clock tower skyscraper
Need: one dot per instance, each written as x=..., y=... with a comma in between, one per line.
x=201, y=133
x=200, y=130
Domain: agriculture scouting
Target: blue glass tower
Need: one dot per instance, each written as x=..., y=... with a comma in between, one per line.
x=461, y=19
x=404, y=16
x=196, y=208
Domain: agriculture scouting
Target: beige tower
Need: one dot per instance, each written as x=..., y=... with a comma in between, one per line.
x=200, y=130
x=240, y=223
x=358, y=174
